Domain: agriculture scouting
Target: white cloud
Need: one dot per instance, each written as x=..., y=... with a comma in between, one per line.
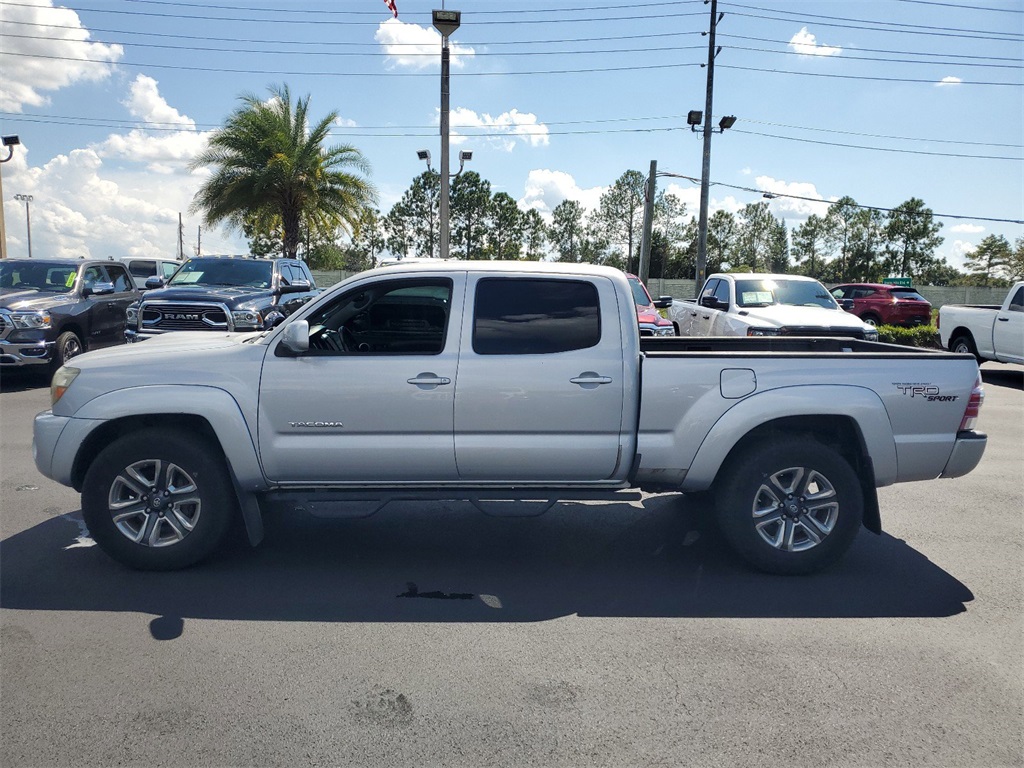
x=344, y=122
x=414, y=47
x=781, y=206
x=523, y=126
x=146, y=103
x=958, y=251
x=690, y=195
x=968, y=229
x=82, y=208
x=804, y=43
x=545, y=189
x=47, y=60
x=949, y=80
x=166, y=151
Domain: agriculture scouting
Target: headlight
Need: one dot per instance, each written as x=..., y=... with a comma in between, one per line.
x=247, y=318
x=132, y=316
x=871, y=335
x=61, y=381
x=763, y=331
x=668, y=331
x=31, y=320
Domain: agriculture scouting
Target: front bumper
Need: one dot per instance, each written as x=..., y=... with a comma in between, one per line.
x=17, y=354
x=967, y=452
x=650, y=329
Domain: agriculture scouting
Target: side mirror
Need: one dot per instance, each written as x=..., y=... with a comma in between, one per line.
x=295, y=337
x=154, y=282
x=98, y=289
x=846, y=304
x=663, y=302
x=298, y=286
x=712, y=303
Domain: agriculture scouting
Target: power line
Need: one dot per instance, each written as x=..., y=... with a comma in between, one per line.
x=875, y=23
x=184, y=68
x=586, y=70
x=876, y=149
x=931, y=81
x=883, y=50
x=996, y=37
x=767, y=193
x=320, y=21
x=971, y=8
x=476, y=131
x=433, y=54
x=367, y=54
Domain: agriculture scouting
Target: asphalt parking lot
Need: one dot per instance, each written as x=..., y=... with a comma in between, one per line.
x=594, y=635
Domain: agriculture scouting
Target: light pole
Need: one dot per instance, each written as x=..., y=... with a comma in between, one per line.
x=445, y=22
x=28, y=219
x=10, y=142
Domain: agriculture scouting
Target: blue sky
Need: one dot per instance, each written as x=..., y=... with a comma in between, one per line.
x=881, y=101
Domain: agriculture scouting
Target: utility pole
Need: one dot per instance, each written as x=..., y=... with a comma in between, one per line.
x=199, y=240
x=181, y=239
x=27, y=199
x=645, y=243
x=705, y=172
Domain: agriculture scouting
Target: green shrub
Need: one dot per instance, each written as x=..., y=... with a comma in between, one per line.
x=926, y=336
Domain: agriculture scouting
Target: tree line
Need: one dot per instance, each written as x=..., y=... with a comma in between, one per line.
x=273, y=178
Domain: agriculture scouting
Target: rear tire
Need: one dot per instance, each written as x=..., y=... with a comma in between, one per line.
x=964, y=345
x=158, y=500
x=789, y=505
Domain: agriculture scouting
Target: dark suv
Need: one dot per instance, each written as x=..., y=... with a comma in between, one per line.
x=54, y=309
x=878, y=304
x=221, y=293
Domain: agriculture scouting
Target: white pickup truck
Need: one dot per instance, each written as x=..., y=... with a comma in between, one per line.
x=490, y=382
x=748, y=304
x=989, y=333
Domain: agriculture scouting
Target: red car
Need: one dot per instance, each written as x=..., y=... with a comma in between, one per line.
x=878, y=304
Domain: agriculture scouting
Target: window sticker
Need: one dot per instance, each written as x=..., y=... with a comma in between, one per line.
x=756, y=297
x=70, y=281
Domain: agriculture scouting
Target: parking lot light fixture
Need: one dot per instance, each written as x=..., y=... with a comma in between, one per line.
x=28, y=219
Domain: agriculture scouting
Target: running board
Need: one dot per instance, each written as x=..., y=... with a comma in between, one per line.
x=495, y=502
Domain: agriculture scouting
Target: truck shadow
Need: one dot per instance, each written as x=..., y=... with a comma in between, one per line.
x=443, y=562
x=21, y=380
x=1011, y=377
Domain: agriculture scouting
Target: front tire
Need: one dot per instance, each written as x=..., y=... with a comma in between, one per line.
x=873, y=320
x=67, y=346
x=158, y=500
x=789, y=506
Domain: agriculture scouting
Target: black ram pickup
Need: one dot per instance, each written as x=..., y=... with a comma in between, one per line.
x=54, y=309
x=221, y=293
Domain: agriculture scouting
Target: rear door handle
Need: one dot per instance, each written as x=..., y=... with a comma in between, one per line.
x=589, y=380
x=428, y=379
x=1003, y=319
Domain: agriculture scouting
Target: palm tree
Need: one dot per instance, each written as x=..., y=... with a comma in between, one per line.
x=268, y=164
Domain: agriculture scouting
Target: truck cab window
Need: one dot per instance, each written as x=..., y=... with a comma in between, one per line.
x=396, y=317
x=527, y=316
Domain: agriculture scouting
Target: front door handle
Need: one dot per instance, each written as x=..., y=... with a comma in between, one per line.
x=589, y=379
x=428, y=379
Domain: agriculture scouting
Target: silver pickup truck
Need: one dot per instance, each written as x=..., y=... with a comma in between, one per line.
x=491, y=382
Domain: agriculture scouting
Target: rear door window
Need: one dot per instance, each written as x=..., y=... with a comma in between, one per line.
x=535, y=316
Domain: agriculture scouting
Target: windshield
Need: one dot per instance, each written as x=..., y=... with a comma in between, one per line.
x=799, y=293
x=242, y=272
x=640, y=295
x=48, y=277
